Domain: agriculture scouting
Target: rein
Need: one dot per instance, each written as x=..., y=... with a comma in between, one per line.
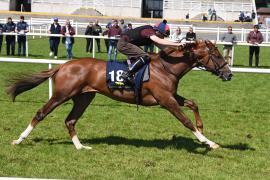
x=216, y=65
x=167, y=69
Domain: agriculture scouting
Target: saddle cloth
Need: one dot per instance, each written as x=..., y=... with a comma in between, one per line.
x=114, y=70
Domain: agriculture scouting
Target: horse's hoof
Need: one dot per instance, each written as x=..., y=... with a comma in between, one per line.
x=14, y=142
x=200, y=130
x=83, y=147
x=87, y=147
x=214, y=146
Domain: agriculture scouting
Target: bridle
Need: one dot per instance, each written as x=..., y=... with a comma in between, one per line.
x=201, y=65
x=217, y=67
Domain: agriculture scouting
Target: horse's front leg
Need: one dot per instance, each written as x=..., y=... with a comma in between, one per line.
x=194, y=107
x=170, y=103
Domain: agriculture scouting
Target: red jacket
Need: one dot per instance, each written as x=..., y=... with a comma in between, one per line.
x=114, y=31
x=254, y=37
x=71, y=31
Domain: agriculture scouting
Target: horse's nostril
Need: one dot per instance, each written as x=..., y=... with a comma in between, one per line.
x=230, y=76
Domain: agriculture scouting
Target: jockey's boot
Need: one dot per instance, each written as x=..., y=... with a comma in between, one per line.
x=128, y=76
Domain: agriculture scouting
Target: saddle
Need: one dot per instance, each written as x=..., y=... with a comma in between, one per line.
x=114, y=70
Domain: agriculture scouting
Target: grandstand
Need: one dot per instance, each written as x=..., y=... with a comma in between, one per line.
x=227, y=10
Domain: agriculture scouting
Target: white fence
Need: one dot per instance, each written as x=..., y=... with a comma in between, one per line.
x=239, y=43
x=203, y=6
x=41, y=25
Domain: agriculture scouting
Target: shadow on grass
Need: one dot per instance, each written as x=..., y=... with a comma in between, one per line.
x=239, y=147
x=175, y=143
x=188, y=144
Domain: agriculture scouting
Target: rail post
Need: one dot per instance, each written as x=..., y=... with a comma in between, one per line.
x=93, y=45
x=50, y=84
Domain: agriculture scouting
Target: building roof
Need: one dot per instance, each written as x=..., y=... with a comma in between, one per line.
x=263, y=11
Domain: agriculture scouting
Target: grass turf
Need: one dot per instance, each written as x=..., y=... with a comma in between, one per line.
x=145, y=144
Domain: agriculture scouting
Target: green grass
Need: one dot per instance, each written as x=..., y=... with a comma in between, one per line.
x=130, y=144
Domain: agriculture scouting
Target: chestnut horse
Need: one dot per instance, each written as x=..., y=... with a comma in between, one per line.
x=81, y=79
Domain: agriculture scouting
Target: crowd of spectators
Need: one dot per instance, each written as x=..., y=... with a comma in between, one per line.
x=247, y=17
x=254, y=37
x=21, y=28
x=113, y=30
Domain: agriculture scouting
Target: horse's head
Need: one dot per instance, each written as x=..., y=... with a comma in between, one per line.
x=208, y=56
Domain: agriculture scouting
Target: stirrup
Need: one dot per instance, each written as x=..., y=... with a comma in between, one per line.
x=126, y=78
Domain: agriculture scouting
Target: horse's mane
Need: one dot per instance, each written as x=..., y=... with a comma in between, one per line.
x=170, y=53
x=179, y=51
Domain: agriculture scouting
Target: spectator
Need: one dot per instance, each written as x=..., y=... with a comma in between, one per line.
x=89, y=41
x=114, y=31
x=68, y=31
x=97, y=30
x=253, y=15
x=227, y=49
x=129, y=26
x=177, y=35
x=187, y=17
x=214, y=14
x=254, y=37
x=190, y=36
x=241, y=16
x=10, y=39
x=107, y=41
x=22, y=28
x=123, y=26
x=1, y=36
x=204, y=18
x=209, y=13
x=55, y=28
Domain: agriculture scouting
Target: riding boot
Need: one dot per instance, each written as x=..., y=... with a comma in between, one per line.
x=140, y=62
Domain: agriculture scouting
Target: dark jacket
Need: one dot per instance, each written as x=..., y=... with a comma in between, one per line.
x=1, y=31
x=191, y=36
x=55, y=30
x=71, y=32
x=89, y=30
x=10, y=27
x=22, y=26
x=139, y=36
x=97, y=29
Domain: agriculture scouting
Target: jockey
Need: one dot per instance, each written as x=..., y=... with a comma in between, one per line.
x=144, y=35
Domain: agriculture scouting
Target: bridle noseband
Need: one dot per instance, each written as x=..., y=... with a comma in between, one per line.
x=217, y=67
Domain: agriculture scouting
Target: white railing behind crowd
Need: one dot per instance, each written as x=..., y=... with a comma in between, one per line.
x=93, y=3
x=239, y=43
x=203, y=6
x=41, y=25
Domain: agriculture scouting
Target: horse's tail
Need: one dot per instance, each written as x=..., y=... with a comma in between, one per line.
x=24, y=83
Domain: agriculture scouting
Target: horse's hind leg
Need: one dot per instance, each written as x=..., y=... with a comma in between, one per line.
x=40, y=115
x=80, y=103
x=193, y=106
